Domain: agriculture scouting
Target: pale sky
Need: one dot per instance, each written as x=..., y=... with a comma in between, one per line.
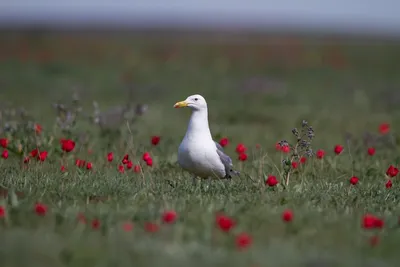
x=381, y=15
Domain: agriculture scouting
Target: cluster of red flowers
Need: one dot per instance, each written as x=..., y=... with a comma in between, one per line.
x=282, y=148
x=126, y=163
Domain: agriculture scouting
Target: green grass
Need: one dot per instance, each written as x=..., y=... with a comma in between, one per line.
x=339, y=86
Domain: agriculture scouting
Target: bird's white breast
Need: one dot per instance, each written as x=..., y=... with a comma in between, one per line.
x=200, y=158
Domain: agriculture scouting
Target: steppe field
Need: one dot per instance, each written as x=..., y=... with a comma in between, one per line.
x=89, y=140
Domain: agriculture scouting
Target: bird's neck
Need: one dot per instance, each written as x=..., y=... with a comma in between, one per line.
x=198, y=124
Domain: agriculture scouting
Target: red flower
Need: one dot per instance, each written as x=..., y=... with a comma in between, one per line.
x=295, y=164
x=129, y=165
x=258, y=146
x=374, y=240
x=271, y=181
x=67, y=145
x=127, y=226
x=155, y=140
x=89, y=166
x=303, y=160
x=40, y=209
x=371, y=151
x=287, y=216
x=26, y=159
x=63, y=169
x=353, y=180
x=338, y=149
x=4, y=142
x=2, y=212
x=151, y=227
x=110, y=156
x=137, y=168
x=392, y=171
x=278, y=146
x=34, y=153
x=169, y=216
x=125, y=159
x=4, y=155
x=38, y=128
x=389, y=184
x=320, y=153
x=80, y=163
x=149, y=162
x=242, y=156
x=240, y=148
x=370, y=221
x=225, y=223
x=42, y=156
x=285, y=149
x=243, y=241
x=384, y=128
x=224, y=142
x=121, y=168
x=146, y=156
x=96, y=224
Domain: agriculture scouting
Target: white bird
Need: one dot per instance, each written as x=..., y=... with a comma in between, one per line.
x=198, y=153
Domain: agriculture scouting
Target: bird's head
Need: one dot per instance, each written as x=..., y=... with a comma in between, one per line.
x=195, y=102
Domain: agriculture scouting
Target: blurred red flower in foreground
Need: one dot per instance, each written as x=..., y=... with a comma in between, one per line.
x=42, y=155
x=338, y=149
x=4, y=142
x=295, y=164
x=320, y=154
x=146, y=156
x=149, y=162
x=2, y=212
x=240, y=148
x=151, y=227
x=121, y=168
x=169, y=216
x=243, y=241
x=38, y=128
x=34, y=153
x=127, y=226
x=384, y=128
x=96, y=224
x=155, y=140
x=4, y=154
x=89, y=165
x=110, y=156
x=389, y=184
x=242, y=156
x=40, y=209
x=370, y=221
x=285, y=149
x=371, y=151
x=287, y=216
x=137, y=168
x=224, y=222
x=129, y=165
x=354, y=180
x=392, y=171
x=224, y=142
x=67, y=145
x=125, y=159
x=271, y=181
x=63, y=169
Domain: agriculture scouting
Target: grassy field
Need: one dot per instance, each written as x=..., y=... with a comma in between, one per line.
x=258, y=88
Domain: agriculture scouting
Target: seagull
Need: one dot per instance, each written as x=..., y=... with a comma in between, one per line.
x=198, y=153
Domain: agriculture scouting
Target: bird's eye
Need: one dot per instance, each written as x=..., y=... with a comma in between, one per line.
x=196, y=99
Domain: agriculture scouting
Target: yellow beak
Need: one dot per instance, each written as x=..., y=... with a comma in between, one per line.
x=181, y=104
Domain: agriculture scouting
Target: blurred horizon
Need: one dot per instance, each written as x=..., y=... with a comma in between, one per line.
x=376, y=18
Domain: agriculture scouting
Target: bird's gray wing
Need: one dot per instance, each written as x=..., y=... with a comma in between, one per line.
x=226, y=160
